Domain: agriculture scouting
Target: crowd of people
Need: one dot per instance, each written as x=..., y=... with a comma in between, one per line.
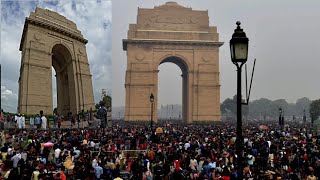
x=174, y=151
x=19, y=121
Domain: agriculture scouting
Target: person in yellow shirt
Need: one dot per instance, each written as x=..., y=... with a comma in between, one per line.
x=311, y=176
x=35, y=174
x=6, y=174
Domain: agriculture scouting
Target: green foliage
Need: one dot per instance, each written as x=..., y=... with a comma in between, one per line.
x=105, y=99
x=230, y=106
x=264, y=107
x=315, y=109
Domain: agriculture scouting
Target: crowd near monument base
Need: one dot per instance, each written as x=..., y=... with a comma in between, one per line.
x=174, y=151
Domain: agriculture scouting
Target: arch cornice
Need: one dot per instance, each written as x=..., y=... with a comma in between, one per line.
x=136, y=41
x=62, y=30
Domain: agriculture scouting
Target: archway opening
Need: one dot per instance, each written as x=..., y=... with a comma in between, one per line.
x=172, y=90
x=61, y=59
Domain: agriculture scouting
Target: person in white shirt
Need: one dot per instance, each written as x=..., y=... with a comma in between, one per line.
x=57, y=154
x=43, y=122
x=10, y=150
x=18, y=120
x=193, y=164
x=24, y=156
x=251, y=159
x=23, y=121
x=31, y=121
x=186, y=146
x=95, y=162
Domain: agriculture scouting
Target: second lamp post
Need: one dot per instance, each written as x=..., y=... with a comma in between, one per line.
x=239, y=55
x=151, y=118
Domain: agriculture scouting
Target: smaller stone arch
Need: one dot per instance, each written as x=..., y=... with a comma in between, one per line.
x=50, y=39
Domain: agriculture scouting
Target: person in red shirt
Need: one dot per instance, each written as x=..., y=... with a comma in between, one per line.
x=176, y=165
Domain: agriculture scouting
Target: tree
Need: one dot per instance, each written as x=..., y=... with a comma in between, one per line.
x=230, y=105
x=105, y=99
x=303, y=104
x=315, y=109
x=261, y=107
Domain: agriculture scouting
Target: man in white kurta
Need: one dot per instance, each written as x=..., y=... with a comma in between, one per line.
x=19, y=119
x=23, y=121
x=43, y=122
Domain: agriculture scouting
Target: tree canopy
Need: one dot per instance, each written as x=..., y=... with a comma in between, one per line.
x=105, y=99
x=315, y=109
x=264, y=107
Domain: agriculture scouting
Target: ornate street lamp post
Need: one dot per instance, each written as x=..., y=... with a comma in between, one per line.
x=151, y=118
x=281, y=123
x=312, y=120
x=239, y=55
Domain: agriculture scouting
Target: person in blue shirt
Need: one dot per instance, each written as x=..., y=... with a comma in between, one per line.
x=206, y=169
x=98, y=171
x=38, y=121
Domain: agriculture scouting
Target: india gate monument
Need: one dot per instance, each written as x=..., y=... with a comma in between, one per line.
x=51, y=40
x=180, y=35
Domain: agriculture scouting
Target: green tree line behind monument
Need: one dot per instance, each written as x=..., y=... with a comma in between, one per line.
x=266, y=109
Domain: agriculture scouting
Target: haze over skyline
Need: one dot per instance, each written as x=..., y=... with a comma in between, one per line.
x=282, y=36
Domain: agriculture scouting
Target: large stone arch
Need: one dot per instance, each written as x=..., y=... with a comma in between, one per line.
x=51, y=40
x=171, y=32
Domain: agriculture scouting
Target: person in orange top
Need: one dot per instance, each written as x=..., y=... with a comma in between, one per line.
x=151, y=155
x=61, y=175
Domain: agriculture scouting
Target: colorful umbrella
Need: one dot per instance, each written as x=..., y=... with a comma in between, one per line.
x=48, y=144
x=263, y=127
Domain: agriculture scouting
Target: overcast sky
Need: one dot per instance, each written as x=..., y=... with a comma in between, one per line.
x=93, y=19
x=283, y=36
